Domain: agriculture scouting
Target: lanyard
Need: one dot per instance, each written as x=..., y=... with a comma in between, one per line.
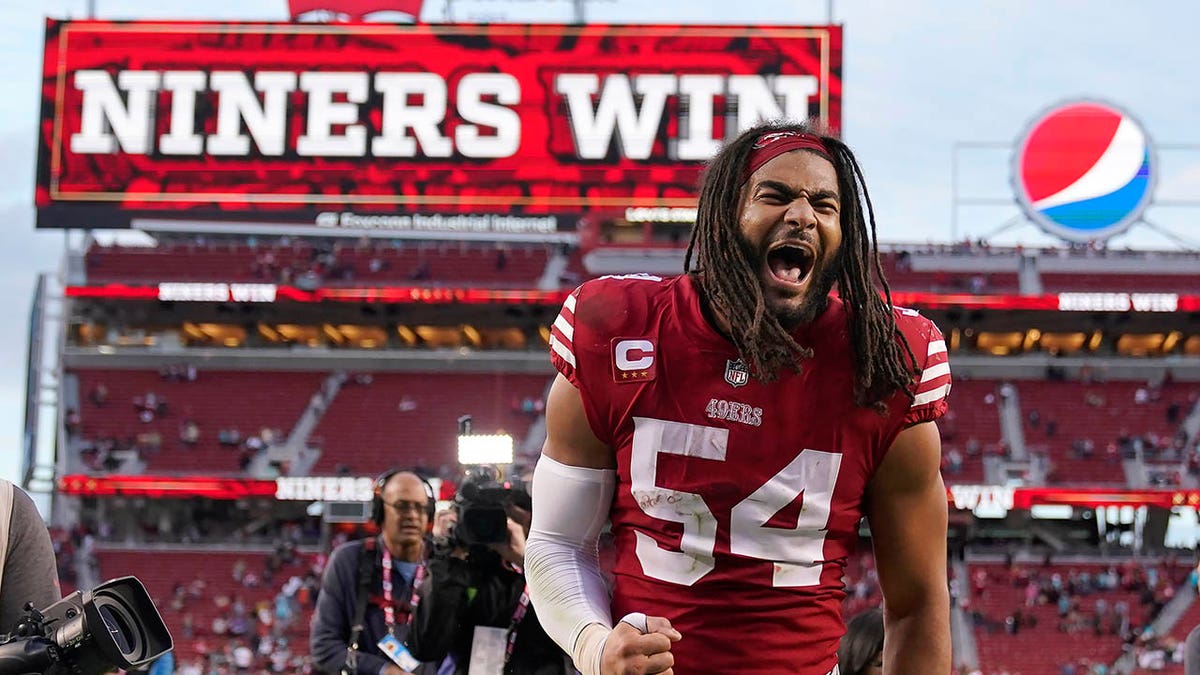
x=517, y=617
x=389, y=608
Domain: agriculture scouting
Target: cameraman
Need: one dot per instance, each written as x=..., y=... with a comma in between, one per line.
x=27, y=569
x=474, y=599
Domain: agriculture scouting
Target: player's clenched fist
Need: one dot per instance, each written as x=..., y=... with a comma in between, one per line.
x=631, y=651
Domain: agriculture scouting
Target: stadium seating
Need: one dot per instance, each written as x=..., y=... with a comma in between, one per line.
x=1170, y=646
x=902, y=277
x=162, y=571
x=433, y=264
x=217, y=400
x=1058, y=282
x=1111, y=414
x=404, y=419
x=185, y=262
x=862, y=585
x=1045, y=647
x=970, y=417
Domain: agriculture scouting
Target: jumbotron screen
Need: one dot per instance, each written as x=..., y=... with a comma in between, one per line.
x=306, y=123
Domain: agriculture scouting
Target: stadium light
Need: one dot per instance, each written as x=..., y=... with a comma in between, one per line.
x=494, y=449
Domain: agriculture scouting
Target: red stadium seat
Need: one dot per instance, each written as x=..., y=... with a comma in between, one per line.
x=405, y=419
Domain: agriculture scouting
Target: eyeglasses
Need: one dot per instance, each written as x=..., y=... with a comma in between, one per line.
x=402, y=506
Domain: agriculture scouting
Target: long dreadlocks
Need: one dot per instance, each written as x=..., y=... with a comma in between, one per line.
x=883, y=361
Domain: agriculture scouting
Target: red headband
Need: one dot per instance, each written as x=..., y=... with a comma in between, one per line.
x=774, y=143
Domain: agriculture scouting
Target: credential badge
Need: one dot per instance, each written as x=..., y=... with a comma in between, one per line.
x=736, y=372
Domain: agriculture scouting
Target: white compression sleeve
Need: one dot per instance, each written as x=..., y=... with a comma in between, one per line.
x=562, y=564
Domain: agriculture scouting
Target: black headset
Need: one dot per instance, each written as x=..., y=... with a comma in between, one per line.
x=377, y=495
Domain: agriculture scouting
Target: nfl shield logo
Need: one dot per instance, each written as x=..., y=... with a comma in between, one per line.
x=736, y=372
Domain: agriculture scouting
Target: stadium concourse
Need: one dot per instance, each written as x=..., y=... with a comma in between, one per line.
x=212, y=444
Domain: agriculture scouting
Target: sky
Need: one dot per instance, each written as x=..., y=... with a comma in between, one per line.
x=920, y=78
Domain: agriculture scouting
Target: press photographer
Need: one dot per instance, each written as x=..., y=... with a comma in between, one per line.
x=473, y=608
x=366, y=598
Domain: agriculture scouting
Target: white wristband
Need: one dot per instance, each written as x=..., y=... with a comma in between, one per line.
x=589, y=647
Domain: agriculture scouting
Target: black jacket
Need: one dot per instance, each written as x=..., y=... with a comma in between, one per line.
x=334, y=616
x=448, y=612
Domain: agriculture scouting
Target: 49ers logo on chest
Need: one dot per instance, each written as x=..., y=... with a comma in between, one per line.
x=633, y=359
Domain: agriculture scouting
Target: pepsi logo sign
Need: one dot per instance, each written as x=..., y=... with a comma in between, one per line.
x=1084, y=171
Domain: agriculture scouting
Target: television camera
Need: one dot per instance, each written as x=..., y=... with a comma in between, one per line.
x=114, y=625
x=485, y=494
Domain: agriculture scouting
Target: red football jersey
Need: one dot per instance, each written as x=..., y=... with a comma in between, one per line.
x=737, y=502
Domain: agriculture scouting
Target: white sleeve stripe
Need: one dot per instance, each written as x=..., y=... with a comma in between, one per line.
x=931, y=396
x=562, y=350
x=569, y=303
x=936, y=347
x=565, y=327
x=935, y=371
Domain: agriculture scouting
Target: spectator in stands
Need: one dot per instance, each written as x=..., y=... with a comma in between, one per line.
x=358, y=614
x=189, y=433
x=422, y=271
x=861, y=648
x=1173, y=412
x=954, y=460
x=948, y=425
x=98, y=395
x=155, y=404
x=243, y=657
x=254, y=444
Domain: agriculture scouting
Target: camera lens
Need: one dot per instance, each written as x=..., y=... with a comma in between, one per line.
x=120, y=625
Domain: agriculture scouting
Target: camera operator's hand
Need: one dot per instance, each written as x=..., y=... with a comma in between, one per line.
x=514, y=550
x=628, y=651
x=393, y=669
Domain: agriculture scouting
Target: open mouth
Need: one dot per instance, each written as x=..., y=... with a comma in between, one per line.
x=790, y=263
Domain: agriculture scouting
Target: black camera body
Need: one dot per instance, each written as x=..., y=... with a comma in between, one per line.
x=115, y=625
x=482, y=502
